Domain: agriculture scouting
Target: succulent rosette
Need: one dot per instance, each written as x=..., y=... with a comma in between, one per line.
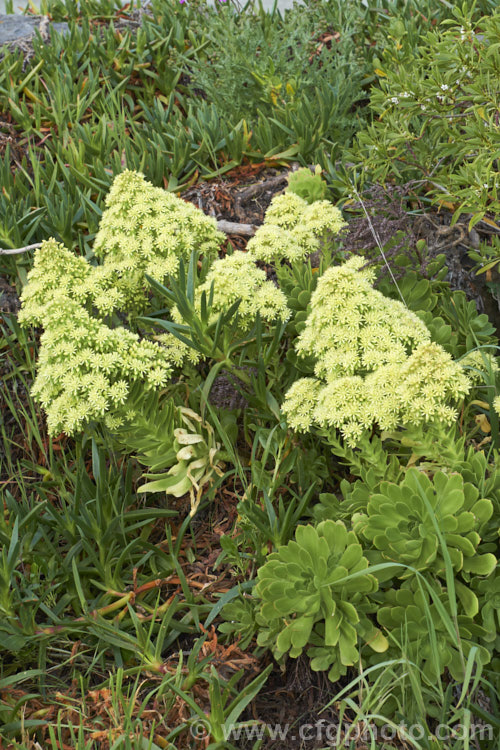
x=313, y=591
x=407, y=521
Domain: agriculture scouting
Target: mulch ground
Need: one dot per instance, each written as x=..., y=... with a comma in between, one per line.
x=12, y=139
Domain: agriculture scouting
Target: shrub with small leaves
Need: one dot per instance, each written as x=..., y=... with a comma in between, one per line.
x=435, y=114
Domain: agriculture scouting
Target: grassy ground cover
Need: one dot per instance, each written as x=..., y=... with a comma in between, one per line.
x=314, y=560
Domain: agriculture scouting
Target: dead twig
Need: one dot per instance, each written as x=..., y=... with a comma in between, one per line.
x=232, y=227
x=18, y=250
x=228, y=227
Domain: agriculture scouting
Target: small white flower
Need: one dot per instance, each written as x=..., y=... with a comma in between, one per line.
x=444, y=87
x=394, y=100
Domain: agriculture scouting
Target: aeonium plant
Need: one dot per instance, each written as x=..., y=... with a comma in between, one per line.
x=417, y=617
x=421, y=523
x=100, y=365
x=375, y=363
x=369, y=361
x=314, y=595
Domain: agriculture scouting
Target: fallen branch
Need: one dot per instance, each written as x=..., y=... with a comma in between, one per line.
x=232, y=227
x=259, y=187
x=228, y=227
x=18, y=250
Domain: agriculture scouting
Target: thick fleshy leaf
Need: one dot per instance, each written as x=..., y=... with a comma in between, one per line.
x=301, y=631
x=351, y=556
x=481, y=565
x=307, y=538
x=185, y=454
x=349, y=654
x=378, y=642
x=332, y=631
x=172, y=485
x=483, y=510
x=467, y=598
x=321, y=659
x=451, y=502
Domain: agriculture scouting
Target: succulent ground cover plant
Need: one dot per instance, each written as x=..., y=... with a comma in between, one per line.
x=408, y=523
x=197, y=458
x=413, y=617
x=408, y=379
x=372, y=363
x=315, y=590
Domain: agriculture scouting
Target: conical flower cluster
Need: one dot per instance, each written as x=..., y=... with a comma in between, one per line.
x=375, y=362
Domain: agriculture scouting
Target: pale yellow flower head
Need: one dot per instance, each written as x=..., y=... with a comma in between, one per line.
x=293, y=229
x=496, y=404
x=479, y=363
x=147, y=230
x=236, y=277
x=375, y=363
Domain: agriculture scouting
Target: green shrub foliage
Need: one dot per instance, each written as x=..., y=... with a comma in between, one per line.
x=435, y=114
